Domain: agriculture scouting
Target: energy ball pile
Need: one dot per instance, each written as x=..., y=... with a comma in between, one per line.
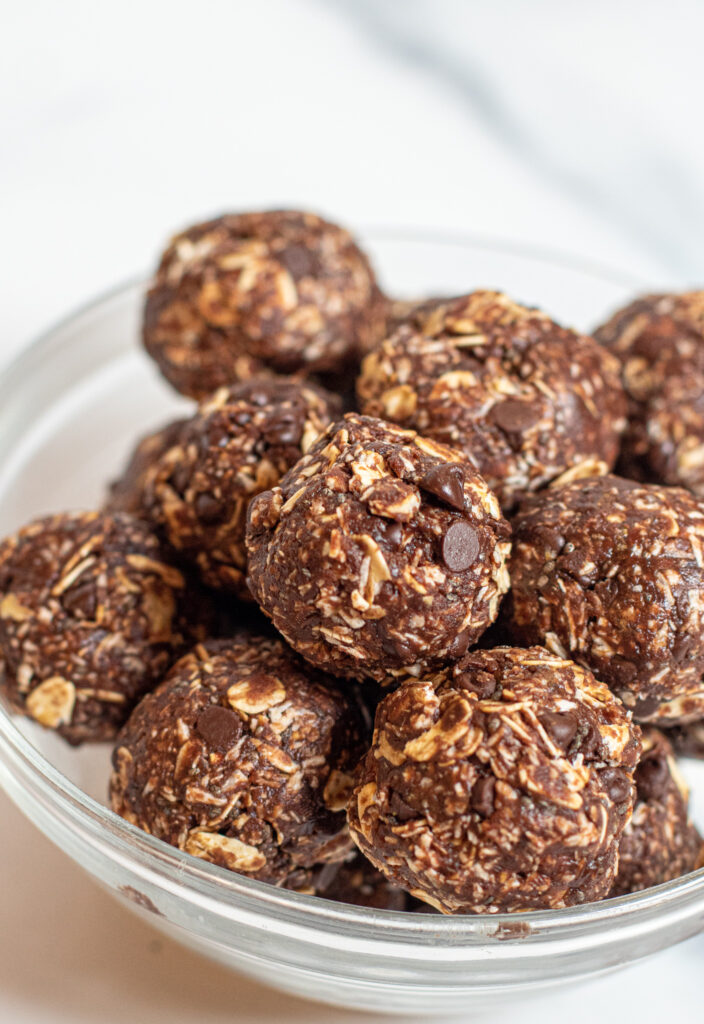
x=412, y=657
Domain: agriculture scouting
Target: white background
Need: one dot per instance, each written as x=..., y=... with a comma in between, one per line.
x=570, y=126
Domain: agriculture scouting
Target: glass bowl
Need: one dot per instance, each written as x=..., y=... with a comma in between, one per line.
x=70, y=408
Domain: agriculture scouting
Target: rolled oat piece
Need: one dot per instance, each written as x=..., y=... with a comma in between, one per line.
x=659, y=340
x=282, y=291
x=660, y=842
x=502, y=783
x=243, y=757
x=240, y=442
x=127, y=492
x=528, y=400
x=89, y=619
x=610, y=572
x=379, y=553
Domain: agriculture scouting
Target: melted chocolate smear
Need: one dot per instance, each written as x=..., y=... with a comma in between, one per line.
x=219, y=727
x=460, y=547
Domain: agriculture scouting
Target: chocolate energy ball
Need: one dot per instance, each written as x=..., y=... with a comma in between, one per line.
x=243, y=756
x=379, y=553
x=528, y=400
x=500, y=784
x=126, y=494
x=88, y=620
x=660, y=342
x=283, y=291
x=240, y=442
x=659, y=843
x=610, y=572
x=357, y=881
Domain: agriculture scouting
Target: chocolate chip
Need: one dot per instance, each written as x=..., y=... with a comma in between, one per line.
x=398, y=649
x=460, y=547
x=624, y=670
x=286, y=428
x=299, y=261
x=446, y=483
x=645, y=707
x=459, y=645
x=481, y=683
x=220, y=727
x=394, y=534
x=561, y=727
x=514, y=416
x=207, y=507
x=400, y=809
x=652, y=778
x=81, y=600
x=616, y=784
x=180, y=478
x=482, y=797
x=589, y=741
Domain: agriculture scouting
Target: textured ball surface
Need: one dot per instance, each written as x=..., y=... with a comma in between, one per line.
x=660, y=842
x=501, y=784
x=610, y=572
x=282, y=291
x=243, y=757
x=379, y=553
x=528, y=400
x=89, y=619
x=239, y=443
x=659, y=340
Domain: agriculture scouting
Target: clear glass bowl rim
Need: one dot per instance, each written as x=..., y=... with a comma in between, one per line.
x=229, y=895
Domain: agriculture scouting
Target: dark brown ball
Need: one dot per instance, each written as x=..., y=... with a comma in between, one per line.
x=282, y=291
x=501, y=784
x=126, y=494
x=610, y=572
x=660, y=842
x=89, y=619
x=239, y=443
x=659, y=340
x=528, y=400
x=379, y=553
x=243, y=757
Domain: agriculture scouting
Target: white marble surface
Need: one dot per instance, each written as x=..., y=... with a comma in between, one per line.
x=569, y=126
